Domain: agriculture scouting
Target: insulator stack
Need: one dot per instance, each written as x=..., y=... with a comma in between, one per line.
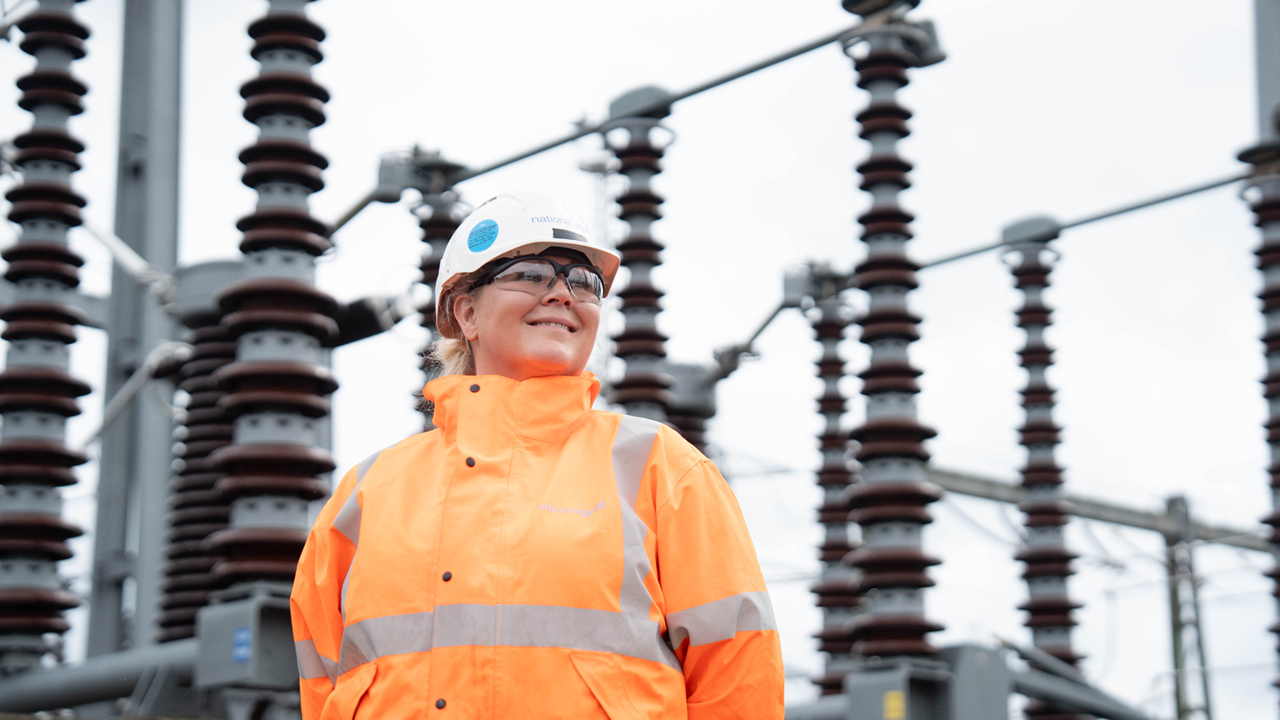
x=1047, y=512
x=692, y=402
x=890, y=503
x=37, y=394
x=198, y=510
x=438, y=219
x=1265, y=203
x=276, y=389
x=644, y=387
x=838, y=589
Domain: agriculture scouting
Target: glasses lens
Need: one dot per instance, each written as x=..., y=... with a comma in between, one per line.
x=585, y=284
x=531, y=276
x=535, y=276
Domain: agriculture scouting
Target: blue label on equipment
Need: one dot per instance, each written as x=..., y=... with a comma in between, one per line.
x=482, y=235
x=241, y=645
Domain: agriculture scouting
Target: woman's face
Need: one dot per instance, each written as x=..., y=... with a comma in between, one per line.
x=522, y=336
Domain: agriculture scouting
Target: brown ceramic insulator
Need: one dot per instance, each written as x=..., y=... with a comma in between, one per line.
x=197, y=510
x=640, y=344
x=1266, y=208
x=691, y=426
x=281, y=320
x=838, y=592
x=891, y=499
x=1048, y=561
x=36, y=391
x=437, y=227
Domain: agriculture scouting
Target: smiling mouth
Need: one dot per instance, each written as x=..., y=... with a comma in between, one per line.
x=553, y=323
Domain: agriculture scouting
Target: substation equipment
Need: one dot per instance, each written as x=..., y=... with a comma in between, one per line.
x=190, y=616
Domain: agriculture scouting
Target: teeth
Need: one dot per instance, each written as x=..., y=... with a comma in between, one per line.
x=554, y=324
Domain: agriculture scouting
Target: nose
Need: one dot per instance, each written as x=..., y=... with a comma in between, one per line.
x=559, y=291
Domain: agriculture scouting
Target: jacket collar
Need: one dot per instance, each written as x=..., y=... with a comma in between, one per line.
x=544, y=408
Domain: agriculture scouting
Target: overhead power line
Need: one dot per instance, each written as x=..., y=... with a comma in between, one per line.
x=658, y=105
x=1149, y=202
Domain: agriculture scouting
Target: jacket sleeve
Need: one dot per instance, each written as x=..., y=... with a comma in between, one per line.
x=719, y=618
x=315, y=602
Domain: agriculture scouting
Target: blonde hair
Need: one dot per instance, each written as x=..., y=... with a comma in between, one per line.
x=452, y=356
x=446, y=356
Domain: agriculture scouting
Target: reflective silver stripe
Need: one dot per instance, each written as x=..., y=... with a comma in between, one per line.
x=466, y=625
x=311, y=664
x=721, y=619
x=631, y=449
x=347, y=522
x=547, y=626
x=371, y=639
x=584, y=629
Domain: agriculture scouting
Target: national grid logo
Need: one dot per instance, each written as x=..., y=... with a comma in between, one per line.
x=588, y=512
x=557, y=220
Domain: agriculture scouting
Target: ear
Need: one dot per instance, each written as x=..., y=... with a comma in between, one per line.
x=464, y=311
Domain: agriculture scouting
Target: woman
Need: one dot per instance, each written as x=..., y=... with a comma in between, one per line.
x=531, y=557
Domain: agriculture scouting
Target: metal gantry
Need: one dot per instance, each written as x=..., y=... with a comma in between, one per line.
x=1190, y=656
x=134, y=469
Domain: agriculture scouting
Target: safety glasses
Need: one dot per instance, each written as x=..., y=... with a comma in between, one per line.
x=536, y=275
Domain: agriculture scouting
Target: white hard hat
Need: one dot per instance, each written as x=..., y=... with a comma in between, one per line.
x=511, y=225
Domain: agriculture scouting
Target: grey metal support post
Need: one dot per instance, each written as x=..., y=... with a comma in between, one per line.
x=1267, y=28
x=136, y=448
x=693, y=401
x=1189, y=655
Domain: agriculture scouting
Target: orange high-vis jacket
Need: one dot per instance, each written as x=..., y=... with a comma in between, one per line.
x=534, y=558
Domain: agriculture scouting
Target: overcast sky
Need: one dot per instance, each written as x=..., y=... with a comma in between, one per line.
x=1062, y=109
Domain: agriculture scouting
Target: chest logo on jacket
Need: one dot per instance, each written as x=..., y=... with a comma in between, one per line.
x=581, y=512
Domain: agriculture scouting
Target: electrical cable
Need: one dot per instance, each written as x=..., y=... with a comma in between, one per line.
x=1108, y=559
x=1139, y=205
x=950, y=504
x=585, y=129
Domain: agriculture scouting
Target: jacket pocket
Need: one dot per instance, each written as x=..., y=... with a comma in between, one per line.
x=350, y=690
x=601, y=673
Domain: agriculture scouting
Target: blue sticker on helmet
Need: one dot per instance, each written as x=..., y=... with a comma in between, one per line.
x=482, y=236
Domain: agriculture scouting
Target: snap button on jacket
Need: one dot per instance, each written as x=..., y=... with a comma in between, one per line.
x=534, y=558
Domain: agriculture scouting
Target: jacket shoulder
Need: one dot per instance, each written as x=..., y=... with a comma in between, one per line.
x=667, y=447
x=424, y=441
